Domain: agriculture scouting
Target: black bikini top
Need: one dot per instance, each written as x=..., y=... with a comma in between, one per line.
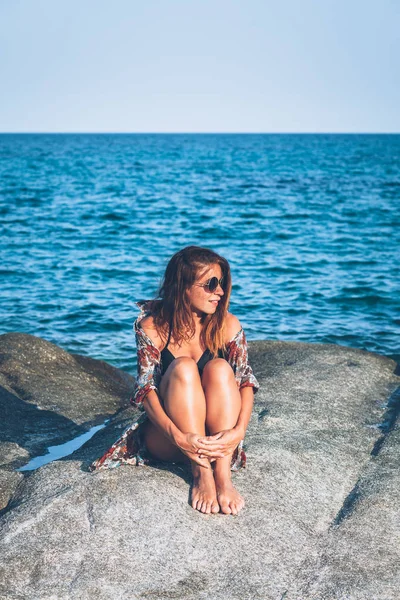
x=167, y=357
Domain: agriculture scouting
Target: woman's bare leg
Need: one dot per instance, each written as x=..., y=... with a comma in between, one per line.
x=185, y=404
x=223, y=403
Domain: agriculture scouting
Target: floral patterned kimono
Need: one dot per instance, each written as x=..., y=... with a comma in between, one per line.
x=130, y=447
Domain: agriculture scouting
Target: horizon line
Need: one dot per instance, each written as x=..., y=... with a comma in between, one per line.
x=199, y=132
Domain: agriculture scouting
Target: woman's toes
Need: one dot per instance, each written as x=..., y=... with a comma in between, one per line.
x=225, y=508
x=239, y=504
x=215, y=508
x=233, y=507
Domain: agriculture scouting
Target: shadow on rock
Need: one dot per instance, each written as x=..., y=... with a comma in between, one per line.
x=30, y=427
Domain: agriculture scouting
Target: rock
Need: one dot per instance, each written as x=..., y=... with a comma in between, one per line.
x=9, y=481
x=48, y=396
x=359, y=555
x=317, y=435
x=10, y=454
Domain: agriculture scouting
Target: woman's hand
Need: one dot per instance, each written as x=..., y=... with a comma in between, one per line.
x=189, y=444
x=220, y=444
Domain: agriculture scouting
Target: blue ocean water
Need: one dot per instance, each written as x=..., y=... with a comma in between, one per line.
x=309, y=223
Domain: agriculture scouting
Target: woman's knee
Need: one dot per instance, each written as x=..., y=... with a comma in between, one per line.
x=183, y=369
x=217, y=369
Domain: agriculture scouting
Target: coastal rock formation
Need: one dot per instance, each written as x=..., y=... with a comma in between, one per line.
x=321, y=519
x=48, y=396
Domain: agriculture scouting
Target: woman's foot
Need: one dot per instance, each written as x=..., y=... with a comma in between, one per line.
x=204, y=495
x=229, y=499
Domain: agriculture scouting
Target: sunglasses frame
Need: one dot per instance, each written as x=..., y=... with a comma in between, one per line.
x=207, y=284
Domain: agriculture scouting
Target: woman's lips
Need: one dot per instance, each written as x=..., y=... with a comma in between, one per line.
x=214, y=302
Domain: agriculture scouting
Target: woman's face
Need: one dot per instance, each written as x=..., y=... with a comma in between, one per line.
x=202, y=300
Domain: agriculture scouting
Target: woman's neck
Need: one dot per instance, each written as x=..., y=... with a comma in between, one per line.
x=198, y=318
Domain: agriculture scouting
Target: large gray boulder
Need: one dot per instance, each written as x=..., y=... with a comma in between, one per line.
x=47, y=397
x=359, y=556
x=321, y=519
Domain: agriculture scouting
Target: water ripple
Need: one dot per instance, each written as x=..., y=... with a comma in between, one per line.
x=309, y=224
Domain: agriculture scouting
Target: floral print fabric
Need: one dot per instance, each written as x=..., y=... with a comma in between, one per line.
x=130, y=448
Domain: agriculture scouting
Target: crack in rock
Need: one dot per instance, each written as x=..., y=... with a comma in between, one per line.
x=388, y=423
x=262, y=414
x=388, y=420
x=89, y=514
x=74, y=580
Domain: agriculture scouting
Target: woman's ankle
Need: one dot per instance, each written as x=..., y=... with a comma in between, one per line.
x=222, y=469
x=199, y=471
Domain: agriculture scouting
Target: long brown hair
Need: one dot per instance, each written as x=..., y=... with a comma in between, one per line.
x=171, y=309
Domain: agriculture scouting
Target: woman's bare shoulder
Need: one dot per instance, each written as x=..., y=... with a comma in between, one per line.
x=147, y=323
x=232, y=326
x=148, y=326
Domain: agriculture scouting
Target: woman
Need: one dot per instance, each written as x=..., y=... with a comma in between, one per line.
x=194, y=382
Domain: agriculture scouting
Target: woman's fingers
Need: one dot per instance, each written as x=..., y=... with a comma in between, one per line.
x=210, y=439
x=211, y=453
x=203, y=462
x=213, y=456
x=210, y=443
x=213, y=449
x=197, y=458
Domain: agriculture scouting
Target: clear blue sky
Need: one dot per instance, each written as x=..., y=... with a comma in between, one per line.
x=200, y=66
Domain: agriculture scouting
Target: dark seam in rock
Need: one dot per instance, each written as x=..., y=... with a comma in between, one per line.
x=10, y=504
x=89, y=513
x=348, y=505
x=389, y=419
x=16, y=500
x=75, y=578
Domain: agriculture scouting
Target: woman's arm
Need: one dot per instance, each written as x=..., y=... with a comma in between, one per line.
x=188, y=443
x=247, y=396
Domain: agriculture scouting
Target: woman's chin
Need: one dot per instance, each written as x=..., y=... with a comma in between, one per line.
x=208, y=309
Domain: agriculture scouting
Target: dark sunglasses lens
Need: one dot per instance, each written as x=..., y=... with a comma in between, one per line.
x=213, y=284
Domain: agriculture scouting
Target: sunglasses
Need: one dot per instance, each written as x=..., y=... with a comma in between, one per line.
x=212, y=284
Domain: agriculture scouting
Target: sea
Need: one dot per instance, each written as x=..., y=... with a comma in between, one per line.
x=309, y=224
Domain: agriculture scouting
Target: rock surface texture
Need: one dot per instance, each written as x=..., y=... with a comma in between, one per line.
x=321, y=519
x=47, y=397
